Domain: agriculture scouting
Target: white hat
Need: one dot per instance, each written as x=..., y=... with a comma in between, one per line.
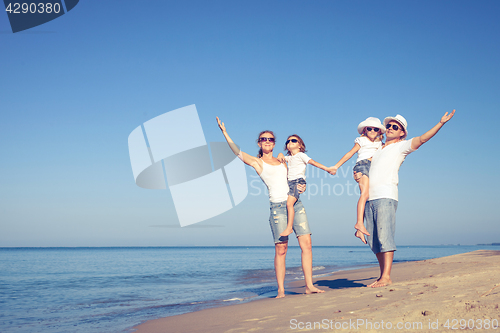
x=370, y=122
x=400, y=119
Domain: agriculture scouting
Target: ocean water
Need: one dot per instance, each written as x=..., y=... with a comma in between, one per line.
x=112, y=289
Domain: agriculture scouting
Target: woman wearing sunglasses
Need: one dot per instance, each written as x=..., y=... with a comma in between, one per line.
x=372, y=132
x=274, y=175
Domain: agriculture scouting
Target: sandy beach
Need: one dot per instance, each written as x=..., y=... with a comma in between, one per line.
x=456, y=292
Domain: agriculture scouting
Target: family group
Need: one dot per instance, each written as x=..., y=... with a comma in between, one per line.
x=376, y=172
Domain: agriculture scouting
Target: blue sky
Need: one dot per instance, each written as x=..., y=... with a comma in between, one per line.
x=73, y=89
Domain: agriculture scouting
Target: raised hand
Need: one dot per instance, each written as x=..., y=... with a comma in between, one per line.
x=447, y=117
x=221, y=125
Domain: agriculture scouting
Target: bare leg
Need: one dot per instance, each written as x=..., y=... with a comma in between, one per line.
x=385, y=262
x=359, y=226
x=306, y=247
x=280, y=266
x=291, y=215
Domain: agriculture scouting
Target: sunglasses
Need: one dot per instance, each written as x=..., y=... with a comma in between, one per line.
x=292, y=140
x=262, y=139
x=369, y=129
x=394, y=127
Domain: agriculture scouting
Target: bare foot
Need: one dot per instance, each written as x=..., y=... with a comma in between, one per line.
x=287, y=232
x=382, y=282
x=360, y=235
x=314, y=290
x=361, y=227
x=281, y=294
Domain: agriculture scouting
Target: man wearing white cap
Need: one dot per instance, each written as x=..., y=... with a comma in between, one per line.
x=380, y=209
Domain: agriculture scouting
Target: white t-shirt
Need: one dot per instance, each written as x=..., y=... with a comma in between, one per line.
x=368, y=148
x=385, y=168
x=274, y=176
x=297, y=165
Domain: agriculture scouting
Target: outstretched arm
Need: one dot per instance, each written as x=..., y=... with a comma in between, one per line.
x=345, y=158
x=318, y=165
x=420, y=140
x=247, y=159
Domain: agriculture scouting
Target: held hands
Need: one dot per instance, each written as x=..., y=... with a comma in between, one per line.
x=221, y=125
x=332, y=170
x=281, y=158
x=446, y=117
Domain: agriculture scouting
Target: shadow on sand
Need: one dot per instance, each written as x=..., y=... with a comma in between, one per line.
x=330, y=284
x=342, y=283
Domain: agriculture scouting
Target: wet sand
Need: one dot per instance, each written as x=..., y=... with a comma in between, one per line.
x=443, y=294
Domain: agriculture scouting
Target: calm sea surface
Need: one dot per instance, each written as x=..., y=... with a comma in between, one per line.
x=112, y=289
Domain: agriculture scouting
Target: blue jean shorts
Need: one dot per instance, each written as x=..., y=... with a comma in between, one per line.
x=363, y=166
x=380, y=217
x=292, y=187
x=278, y=220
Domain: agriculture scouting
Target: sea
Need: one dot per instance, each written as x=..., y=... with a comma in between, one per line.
x=112, y=289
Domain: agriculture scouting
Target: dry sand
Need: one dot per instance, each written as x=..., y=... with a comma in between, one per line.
x=437, y=295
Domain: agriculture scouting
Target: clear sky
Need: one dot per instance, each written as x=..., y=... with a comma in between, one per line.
x=73, y=89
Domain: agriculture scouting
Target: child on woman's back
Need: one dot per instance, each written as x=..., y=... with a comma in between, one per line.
x=297, y=161
x=372, y=132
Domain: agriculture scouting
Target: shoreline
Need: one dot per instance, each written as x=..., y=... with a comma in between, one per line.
x=426, y=293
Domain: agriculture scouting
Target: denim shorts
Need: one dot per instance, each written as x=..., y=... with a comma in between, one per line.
x=278, y=220
x=363, y=166
x=292, y=186
x=380, y=217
